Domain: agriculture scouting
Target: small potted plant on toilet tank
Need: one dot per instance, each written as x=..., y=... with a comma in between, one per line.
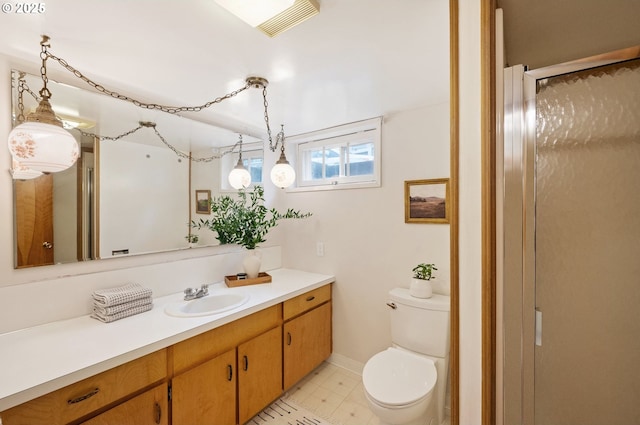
x=421, y=282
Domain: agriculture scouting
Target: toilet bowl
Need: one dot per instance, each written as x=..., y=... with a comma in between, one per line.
x=399, y=386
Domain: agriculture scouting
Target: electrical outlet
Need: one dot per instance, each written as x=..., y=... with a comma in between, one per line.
x=320, y=249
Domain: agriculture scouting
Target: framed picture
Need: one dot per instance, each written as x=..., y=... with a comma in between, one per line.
x=426, y=201
x=202, y=201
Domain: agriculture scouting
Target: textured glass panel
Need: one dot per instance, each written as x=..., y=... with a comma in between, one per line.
x=588, y=247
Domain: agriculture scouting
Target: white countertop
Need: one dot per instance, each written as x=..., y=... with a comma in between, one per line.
x=41, y=359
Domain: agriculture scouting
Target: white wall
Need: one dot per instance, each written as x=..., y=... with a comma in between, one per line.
x=367, y=244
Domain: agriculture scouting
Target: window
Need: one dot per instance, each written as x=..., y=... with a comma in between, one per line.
x=339, y=157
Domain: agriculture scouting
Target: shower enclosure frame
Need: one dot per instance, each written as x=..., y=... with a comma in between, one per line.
x=515, y=228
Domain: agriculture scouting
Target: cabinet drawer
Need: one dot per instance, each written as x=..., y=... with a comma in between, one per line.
x=83, y=397
x=206, y=346
x=306, y=301
x=149, y=408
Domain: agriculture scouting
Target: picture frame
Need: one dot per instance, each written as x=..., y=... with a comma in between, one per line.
x=203, y=206
x=426, y=201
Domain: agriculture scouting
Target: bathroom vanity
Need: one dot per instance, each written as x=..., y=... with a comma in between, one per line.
x=154, y=368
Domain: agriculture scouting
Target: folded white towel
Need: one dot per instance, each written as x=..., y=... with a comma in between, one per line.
x=105, y=311
x=122, y=294
x=107, y=318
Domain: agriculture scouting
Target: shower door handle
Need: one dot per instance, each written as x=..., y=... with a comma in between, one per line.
x=538, y=328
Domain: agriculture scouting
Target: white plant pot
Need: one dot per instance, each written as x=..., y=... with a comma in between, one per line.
x=420, y=288
x=252, y=262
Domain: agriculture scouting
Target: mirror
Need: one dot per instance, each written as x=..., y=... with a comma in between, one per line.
x=129, y=196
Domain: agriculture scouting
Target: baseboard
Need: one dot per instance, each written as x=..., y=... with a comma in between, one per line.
x=346, y=363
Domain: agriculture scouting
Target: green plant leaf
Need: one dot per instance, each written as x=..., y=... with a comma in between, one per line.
x=245, y=221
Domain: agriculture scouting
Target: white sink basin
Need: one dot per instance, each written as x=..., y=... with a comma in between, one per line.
x=210, y=304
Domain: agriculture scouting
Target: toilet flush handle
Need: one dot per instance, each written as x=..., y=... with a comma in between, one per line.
x=392, y=305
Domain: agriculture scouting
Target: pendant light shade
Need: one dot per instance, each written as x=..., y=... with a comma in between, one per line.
x=20, y=172
x=41, y=144
x=239, y=177
x=282, y=174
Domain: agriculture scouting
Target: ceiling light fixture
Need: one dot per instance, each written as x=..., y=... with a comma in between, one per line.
x=272, y=17
x=282, y=174
x=255, y=12
x=239, y=177
x=39, y=142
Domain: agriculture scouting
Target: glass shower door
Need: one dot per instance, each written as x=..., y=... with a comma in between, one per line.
x=587, y=247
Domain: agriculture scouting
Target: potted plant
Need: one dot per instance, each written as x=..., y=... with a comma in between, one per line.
x=192, y=239
x=420, y=284
x=244, y=221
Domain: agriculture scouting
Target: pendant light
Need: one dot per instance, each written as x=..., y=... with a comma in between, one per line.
x=41, y=143
x=239, y=177
x=282, y=174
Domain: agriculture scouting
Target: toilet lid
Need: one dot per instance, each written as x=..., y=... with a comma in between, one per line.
x=394, y=377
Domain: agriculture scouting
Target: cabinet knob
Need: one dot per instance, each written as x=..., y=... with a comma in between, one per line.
x=288, y=338
x=311, y=297
x=245, y=360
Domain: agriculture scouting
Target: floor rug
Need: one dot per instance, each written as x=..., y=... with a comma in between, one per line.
x=286, y=412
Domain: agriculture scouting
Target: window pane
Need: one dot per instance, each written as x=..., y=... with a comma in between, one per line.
x=332, y=160
x=361, y=159
x=313, y=157
x=339, y=157
x=254, y=165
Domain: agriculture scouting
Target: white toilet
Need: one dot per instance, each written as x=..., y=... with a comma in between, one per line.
x=406, y=383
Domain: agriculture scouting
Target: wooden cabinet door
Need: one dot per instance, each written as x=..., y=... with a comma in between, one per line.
x=307, y=343
x=149, y=408
x=34, y=221
x=206, y=394
x=259, y=373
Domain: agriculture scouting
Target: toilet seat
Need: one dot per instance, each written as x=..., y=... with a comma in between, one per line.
x=395, y=378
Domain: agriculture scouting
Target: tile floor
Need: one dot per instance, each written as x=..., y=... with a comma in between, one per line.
x=335, y=394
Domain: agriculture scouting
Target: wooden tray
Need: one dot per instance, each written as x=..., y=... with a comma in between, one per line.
x=232, y=281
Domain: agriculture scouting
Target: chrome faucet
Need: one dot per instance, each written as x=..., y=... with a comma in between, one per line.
x=193, y=293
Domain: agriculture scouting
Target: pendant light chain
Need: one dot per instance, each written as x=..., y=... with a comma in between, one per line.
x=21, y=89
x=116, y=95
x=146, y=124
x=279, y=136
x=45, y=94
x=44, y=91
x=24, y=87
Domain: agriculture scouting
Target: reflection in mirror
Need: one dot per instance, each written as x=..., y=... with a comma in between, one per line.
x=123, y=197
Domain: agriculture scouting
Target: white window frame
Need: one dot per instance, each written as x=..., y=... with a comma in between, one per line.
x=344, y=135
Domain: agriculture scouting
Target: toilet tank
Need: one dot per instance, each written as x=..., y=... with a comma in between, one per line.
x=420, y=324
